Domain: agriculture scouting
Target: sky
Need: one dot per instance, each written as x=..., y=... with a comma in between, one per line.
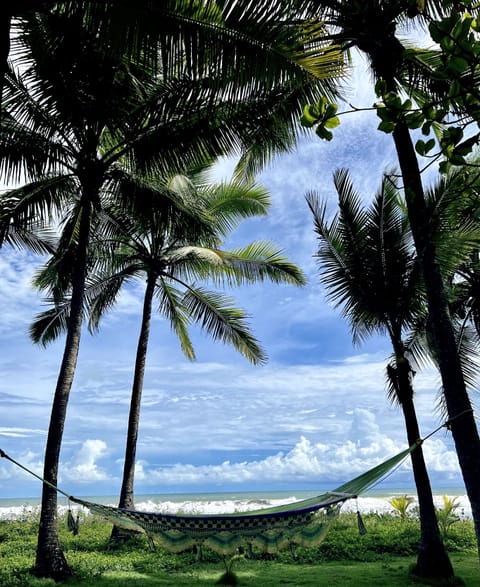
x=314, y=416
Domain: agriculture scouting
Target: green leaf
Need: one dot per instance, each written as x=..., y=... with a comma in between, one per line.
x=420, y=147
x=310, y=116
x=444, y=167
x=414, y=120
x=323, y=133
x=426, y=126
x=332, y=122
x=387, y=127
x=429, y=146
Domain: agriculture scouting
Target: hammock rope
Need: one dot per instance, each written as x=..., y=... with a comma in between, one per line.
x=301, y=523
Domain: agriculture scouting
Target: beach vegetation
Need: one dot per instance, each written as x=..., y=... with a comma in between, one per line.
x=401, y=505
x=447, y=515
x=384, y=555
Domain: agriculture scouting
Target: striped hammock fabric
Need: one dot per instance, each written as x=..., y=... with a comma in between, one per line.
x=302, y=523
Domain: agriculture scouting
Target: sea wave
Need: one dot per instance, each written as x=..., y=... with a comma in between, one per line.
x=379, y=505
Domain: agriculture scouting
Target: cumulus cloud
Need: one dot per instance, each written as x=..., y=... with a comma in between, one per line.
x=84, y=467
x=308, y=462
x=305, y=462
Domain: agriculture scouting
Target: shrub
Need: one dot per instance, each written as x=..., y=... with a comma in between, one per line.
x=447, y=516
x=401, y=504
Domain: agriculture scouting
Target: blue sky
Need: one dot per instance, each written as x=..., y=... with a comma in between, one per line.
x=315, y=415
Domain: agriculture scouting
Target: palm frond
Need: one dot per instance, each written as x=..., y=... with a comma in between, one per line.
x=101, y=294
x=171, y=304
x=218, y=316
x=340, y=253
x=453, y=205
x=231, y=202
x=216, y=40
x=367, y=260
x=40, y=240
x=149, y=205
x=38, y=202
x=261, y=260
x=50, y=324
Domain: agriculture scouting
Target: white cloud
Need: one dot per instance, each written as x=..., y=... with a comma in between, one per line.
x=313, y=463
x=19, y=432
x=84, y=466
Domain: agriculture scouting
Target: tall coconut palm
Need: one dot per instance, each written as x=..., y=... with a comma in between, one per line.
x=172, y=262
x=70, y=114
x=369, y=268
x=371, y=27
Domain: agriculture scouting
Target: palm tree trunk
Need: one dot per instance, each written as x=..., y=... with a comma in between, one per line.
x=126, y=493
x=432, y=560
x=463, y=427
x=50, y=560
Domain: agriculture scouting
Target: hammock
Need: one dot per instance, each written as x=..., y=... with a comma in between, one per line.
x=302, y=523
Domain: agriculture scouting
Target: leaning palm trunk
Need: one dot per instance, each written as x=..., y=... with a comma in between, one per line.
x=463, y=427
x=50, y=561
x=127, y=489
x=432, y=560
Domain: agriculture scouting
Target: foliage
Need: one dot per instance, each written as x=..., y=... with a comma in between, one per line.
x=322, y=114
x=401, y=504
x=386, y=550
x=444, y=107
x=447, y=515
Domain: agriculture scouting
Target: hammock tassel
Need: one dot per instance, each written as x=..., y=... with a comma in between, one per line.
x=73, y=524
x=151, y=543
x=362, y=529
x=199, y=552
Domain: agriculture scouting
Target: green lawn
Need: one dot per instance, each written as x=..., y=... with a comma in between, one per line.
x=273, y=574
x=383, y=557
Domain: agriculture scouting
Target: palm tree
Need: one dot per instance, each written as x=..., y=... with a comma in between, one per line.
x=371, y=27
x=261, y=46
x=155, y=248
x=69, y=117
x=369, y=268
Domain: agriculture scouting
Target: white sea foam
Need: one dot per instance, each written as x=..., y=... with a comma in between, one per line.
x=379, y=505
x=383, y=506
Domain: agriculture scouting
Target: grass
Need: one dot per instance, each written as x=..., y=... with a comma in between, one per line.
x=384, y=556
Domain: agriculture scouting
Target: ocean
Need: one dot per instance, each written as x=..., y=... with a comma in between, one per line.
x=375, y=500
